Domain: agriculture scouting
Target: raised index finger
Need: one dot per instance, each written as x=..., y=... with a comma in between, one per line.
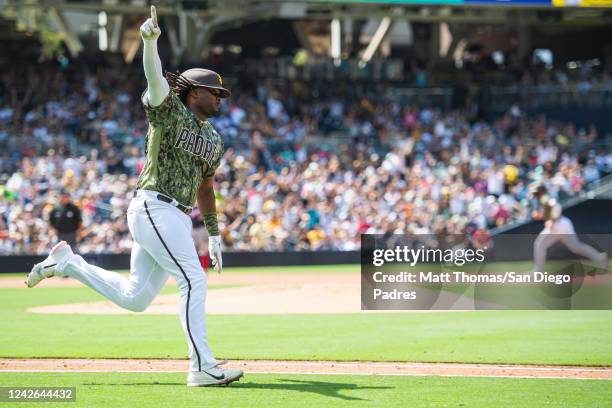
x=154, y=16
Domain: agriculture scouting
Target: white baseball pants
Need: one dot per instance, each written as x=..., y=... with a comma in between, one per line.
x=163, y=246
x=563, y=231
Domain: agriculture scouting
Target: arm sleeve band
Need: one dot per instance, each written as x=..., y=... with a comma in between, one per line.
x=157, y=86
x=212, y=225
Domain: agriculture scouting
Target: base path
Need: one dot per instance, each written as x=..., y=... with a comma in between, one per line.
x=313, y=367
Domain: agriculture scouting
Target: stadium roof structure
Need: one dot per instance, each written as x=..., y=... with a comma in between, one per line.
x=191, y=24
x=478, y=11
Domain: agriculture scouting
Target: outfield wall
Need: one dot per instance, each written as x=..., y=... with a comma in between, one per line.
x=21, y=263
x=592, y=220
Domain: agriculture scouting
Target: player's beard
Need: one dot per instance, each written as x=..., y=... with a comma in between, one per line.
x=214, y=111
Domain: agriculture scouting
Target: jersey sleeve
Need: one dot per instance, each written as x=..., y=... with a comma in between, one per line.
x=157, y=115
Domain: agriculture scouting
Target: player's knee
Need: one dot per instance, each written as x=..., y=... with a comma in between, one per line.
x=573, y=246
x=194, y=281
x=136, y=307
x=136, y=302
x=190, y=285
x=198, y=283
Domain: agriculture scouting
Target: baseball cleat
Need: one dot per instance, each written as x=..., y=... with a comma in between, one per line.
x=47, y=268
x=213, y=376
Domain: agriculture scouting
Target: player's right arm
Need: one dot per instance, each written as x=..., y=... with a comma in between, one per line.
x=157, y=86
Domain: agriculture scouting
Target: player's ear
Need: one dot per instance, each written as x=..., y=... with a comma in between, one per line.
x=192, y=94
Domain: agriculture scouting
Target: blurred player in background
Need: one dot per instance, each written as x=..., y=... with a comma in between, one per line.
x=182, y=151
x=558, y=228
x=66, y=219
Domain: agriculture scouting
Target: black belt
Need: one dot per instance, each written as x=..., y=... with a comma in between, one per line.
x=169, y=200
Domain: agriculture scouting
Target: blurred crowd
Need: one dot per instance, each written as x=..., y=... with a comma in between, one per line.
x=394, y=168
x=445, y=176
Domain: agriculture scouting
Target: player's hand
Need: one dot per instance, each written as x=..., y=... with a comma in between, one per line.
x=150, y=30
x=214, y=251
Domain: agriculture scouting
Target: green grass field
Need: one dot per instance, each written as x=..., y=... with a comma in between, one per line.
x=528, y=337
x=168, y=390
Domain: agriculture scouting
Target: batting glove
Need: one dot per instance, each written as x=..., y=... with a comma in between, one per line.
x=214, y=251
x=149, y=31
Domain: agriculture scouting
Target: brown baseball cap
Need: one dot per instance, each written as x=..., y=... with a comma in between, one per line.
x=206, y=78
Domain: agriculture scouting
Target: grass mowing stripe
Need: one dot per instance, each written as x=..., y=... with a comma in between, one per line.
x=496, y=337
x=515, y=337
x=106, y=390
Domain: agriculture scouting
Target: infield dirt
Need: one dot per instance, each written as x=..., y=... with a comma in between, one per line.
x=313, y=367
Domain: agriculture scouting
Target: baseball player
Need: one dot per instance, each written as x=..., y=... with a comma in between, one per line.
x=182, y=152
x=558, y=228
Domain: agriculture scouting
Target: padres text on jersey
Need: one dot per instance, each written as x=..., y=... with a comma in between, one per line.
x=180, y=151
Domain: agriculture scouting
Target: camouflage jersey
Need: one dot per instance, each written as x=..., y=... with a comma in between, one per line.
x=180, y=150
